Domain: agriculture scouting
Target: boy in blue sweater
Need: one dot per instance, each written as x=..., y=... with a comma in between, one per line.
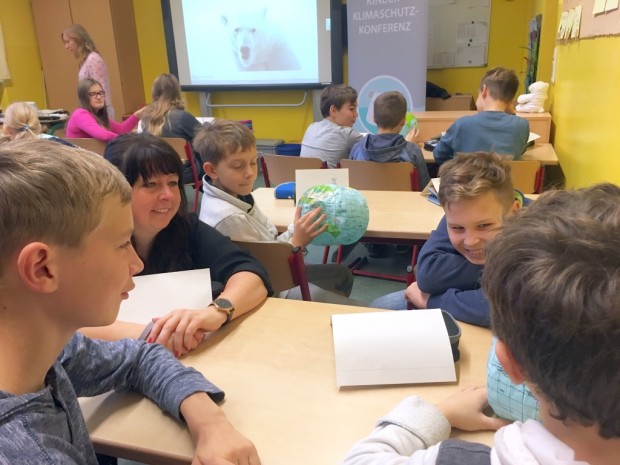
x=388, y=145
x=494, y=128
x=66, y=262
x=476, y=193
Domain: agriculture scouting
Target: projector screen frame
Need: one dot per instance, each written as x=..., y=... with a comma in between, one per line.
x=337, y=47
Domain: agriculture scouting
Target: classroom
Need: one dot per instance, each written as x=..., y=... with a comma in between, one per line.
x=582, y=76
x=584, y=89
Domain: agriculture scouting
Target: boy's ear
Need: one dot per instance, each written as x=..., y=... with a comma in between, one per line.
x=509, y=364
x=516, y=205
x=209, y=170
x=37, y=267
x=484, y=90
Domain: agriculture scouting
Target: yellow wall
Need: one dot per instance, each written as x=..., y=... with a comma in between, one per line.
x=22, y=54
x=585, y=110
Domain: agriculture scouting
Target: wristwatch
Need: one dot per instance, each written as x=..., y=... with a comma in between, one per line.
x=224, y=305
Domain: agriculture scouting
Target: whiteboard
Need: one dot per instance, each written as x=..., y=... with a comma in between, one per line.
x=458, y=33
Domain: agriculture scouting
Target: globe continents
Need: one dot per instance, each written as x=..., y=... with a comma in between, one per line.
x=346, y=210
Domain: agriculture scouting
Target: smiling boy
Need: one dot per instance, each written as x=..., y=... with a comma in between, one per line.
x=67, y=261
x=332, y=138
x=476, y=193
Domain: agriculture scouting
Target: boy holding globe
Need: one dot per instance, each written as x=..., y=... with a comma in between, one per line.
x=228, y=149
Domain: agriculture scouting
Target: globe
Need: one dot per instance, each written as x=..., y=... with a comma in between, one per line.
x=346, y=210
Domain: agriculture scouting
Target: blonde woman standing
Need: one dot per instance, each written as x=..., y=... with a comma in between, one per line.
x=78, y=41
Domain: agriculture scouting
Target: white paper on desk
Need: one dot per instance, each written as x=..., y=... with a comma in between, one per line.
x=532, y=137
x=157, y=294
x=392, y=348
x=305, y=179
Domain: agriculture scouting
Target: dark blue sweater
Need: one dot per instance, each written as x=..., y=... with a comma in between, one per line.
x=452, y=281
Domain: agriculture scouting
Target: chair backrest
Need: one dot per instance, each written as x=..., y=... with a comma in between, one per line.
x=184, y=149
x=375, y=176
x=283, y=262
x=281, y=168
x=86, y=143
x=527, y=175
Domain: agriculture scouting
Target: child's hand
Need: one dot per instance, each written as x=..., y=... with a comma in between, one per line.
x=413, y=135
x=414, y=295
x=463, y=410
x=307, y=227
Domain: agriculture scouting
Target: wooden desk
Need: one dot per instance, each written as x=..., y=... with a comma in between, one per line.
x=544, y=153
x=432, y=123
x=276, y=366
x=393, y=215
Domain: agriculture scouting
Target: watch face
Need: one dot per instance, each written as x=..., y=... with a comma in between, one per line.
x=224, y=304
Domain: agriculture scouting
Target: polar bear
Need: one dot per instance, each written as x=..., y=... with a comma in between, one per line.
x=257, y=43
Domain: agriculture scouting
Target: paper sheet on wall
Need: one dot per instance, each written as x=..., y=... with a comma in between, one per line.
x=305, y=179
x=392, y=348
x=157, y=294
x=576, y=23
x=473, y=32
x=599, y=7
x=612, y=5
x=470, y=55
x=562, y=25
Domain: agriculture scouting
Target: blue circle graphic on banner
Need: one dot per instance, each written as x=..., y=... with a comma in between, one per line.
x=366, y=99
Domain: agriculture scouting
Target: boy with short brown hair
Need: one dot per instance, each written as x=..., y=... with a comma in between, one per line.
x=332, y=138
x=66, y=262
x=495, y=128
x=388, y=145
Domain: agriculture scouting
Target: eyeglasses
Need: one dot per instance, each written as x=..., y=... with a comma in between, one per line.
x=101, y=93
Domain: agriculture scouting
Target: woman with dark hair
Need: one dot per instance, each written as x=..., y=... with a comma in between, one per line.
x=78, y=41
x=167, y=238
x=91, y=118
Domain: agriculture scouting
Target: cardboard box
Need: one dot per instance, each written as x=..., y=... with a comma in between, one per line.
x=454, y=103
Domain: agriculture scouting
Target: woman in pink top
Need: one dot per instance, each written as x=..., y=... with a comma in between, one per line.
x=91, y=118
x=78, y=41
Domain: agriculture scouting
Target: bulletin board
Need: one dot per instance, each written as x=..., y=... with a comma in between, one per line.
x=458, y=33
x=607, y=22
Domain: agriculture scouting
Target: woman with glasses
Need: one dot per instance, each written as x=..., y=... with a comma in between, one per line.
x=77, y=41
x=91, y=118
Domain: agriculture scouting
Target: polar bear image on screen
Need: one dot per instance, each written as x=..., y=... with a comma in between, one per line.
x=257, y=43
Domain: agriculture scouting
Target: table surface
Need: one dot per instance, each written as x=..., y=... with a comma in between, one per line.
x=277, y=367
x=393, y=214
x=544, y=153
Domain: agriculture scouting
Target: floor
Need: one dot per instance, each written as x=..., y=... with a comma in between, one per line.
x=364, y=289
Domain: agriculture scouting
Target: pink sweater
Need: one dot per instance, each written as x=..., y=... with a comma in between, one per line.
x=94, y=67
x=82, y=124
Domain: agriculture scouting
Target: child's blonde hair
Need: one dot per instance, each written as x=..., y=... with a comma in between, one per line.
x=85, y=44
x=214, y=141
x=470, y=175
x=52, y=193
x=166, y=95
x=22, y=120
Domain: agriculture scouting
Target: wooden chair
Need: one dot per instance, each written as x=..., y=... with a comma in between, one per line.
x=87, y=143
x=375, y=176
x=527, y=176
x=283, y=262
x=281, y=168
x=372, y=175
x=184, y=149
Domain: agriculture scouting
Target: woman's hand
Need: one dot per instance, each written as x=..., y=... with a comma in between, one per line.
x=308, y=226
x=180, y=331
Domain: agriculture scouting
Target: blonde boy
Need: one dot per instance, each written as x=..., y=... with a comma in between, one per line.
x=66, y=262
